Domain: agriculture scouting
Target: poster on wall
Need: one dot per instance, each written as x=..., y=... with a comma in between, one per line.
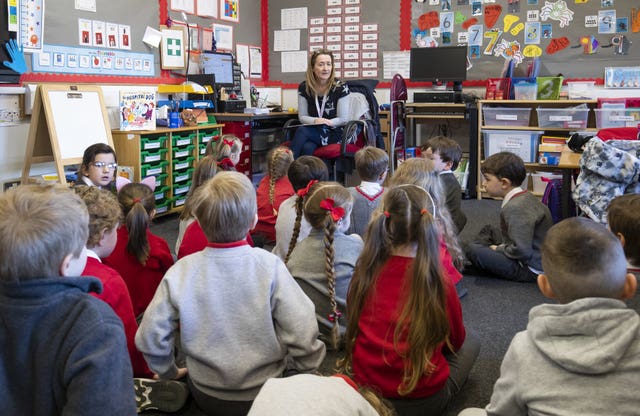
x=230, y=10
x=173, y=48
x=223, y=35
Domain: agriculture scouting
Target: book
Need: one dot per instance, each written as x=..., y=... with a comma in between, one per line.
x=137, y=110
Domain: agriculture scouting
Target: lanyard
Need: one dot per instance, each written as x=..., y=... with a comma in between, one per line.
x=319, y=109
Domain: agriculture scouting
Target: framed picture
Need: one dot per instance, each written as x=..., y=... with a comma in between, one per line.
x=230, y=10
x=173, y=47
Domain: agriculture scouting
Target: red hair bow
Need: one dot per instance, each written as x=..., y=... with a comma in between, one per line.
x=336, y=212
x=304, y=191
x=226, y=163
x=228, y=142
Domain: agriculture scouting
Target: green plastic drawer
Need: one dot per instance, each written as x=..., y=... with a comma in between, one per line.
x=163, y=207
x=153, y=169
x=153, y=156
x=161, y=193
x=161, y=180
x=183, y=164
x=183, y=176
x=179, y=201
x=181, y=189
x=152, y=142
x=181, y=141
x=182, y=152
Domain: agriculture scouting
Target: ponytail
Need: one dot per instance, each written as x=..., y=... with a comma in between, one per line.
x=330, y=272
x=138, y=203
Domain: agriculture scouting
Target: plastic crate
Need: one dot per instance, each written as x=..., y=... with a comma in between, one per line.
x=182, y=152
x=498, y=88
x=161, y=193
x=152, y=142
x=178, y=202
x=163, y=207
x=506, y=116
x=153, y=156
x=522, y=143
x=206, y=137
x=182, y=176
x=183, y=164
x=181, y=141
x=161, y=179
x=154, y=169
x=524, y=88
x=581, y=90
x=617, y=117
x=181, y=189
x=566, y=118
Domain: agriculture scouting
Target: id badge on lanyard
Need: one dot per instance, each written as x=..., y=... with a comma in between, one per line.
x=320, y=109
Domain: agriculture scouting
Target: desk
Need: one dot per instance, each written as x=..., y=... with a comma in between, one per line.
x=438, y=112
x=259, y=133
x=569, y=161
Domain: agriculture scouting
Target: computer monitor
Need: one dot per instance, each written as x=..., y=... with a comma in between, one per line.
x=439, y=65
x=219, y=64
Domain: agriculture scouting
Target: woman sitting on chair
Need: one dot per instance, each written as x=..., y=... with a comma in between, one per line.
x=323, y=106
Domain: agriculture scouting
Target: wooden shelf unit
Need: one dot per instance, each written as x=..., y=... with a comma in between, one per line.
x=532, y=126
x=168, y=154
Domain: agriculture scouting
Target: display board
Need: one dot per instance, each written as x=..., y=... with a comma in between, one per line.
x=575, y=38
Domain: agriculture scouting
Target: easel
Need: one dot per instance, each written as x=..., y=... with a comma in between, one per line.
x=66, y=119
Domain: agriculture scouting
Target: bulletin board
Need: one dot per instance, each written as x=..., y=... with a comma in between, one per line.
x=384, y=14
x=577, y=38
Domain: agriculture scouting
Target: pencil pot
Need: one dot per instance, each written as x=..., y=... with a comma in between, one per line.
x=174, y=119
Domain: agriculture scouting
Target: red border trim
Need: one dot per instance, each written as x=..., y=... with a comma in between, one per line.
x=405, y=25
x=264, y=17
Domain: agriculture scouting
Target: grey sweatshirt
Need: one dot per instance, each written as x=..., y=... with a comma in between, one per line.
x=239, y=313
x=581, y=358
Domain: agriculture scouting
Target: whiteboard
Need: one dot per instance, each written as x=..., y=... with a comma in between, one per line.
x=78, y=120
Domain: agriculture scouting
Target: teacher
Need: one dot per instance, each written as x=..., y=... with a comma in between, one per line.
x=323, y=106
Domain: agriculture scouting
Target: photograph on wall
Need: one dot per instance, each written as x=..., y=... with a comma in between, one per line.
x=84, y=32
x=124, y=32
x=230, y=10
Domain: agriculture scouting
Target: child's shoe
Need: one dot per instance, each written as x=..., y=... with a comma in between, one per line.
x=163, y=395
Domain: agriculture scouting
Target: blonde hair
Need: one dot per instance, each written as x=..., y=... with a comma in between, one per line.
x=405, y=217
x=223, y=148
x=206, y=169
x=104, y=211
x=39, y=226
x=138, y=204
x=421, y=172
x=320, y=218
x=225, y=206
x=312, y=83
x=279, y=160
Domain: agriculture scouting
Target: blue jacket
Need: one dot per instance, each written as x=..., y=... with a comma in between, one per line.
x=63, y=351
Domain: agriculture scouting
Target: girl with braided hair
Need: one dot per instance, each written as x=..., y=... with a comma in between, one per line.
x=325, y=279
x=291, y=227
x=225, y=150
x=405, y=335
x=272, y=191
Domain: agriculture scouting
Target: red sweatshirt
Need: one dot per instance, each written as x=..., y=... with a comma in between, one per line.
x=115, y=294
x=266, y=217
x=375, y=360
x=142, y=281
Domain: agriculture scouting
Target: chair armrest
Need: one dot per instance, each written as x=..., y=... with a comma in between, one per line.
x=289, y=129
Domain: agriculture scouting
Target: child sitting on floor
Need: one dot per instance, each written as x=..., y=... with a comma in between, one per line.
x=302, y=172
x=98, y=167
x=405, y=334
x=272, y=191
x=226, y=151
x=581, y=355
x=445, y=153
x=372, y=165
x=623, y=216
x=524, y=222
x=242, y=318
x=325, y=278
x=63, y=351
x=140, y=256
